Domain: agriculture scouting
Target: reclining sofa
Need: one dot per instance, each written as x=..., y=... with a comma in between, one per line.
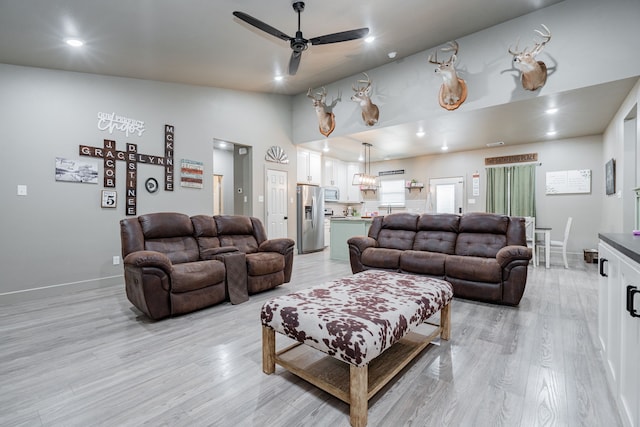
x=484, y=256
x=175, y=264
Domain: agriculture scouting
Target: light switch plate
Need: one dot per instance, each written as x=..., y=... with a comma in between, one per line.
x=22, y=190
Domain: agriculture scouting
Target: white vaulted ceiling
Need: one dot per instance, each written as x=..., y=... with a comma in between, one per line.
x=200, y=42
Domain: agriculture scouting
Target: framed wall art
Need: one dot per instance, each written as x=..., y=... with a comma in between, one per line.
x=109, y=199
x=610, y=177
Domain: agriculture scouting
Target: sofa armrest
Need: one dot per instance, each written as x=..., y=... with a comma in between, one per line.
x=362, y=242
x=281, y=245
x=149, y=259
x=212, y=253
x=513, y=253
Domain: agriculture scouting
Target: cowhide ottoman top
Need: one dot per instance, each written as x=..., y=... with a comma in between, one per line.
x=357, y=317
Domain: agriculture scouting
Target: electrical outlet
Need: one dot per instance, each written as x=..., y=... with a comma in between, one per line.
x=22, y=190
x=116, y=260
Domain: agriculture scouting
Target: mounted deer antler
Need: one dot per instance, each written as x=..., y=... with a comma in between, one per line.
x=453, y=91
x=362, y=95
x=533, y=74
x=326, y=118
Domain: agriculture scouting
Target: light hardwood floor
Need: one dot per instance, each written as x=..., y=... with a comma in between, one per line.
x=91, y=359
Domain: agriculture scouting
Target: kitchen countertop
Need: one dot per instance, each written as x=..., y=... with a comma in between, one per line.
x=626, y=243
x=351, y=218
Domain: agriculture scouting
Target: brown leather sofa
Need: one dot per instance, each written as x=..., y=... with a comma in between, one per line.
x=174, y=264
x=484, y=256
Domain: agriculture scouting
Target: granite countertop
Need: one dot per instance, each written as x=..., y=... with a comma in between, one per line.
x=626, y=243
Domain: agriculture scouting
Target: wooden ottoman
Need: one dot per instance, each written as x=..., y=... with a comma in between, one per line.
x=364, y=323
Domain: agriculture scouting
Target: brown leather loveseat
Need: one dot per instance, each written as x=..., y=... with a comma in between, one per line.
x=484, y=256
x=176, y=264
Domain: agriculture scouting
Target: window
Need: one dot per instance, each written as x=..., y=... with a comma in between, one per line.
x=511, y=190
x=392, y=192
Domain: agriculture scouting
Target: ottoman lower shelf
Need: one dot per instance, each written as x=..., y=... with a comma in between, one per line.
x=332, y=375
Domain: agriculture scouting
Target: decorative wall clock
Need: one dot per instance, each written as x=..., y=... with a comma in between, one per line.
x=151, y=185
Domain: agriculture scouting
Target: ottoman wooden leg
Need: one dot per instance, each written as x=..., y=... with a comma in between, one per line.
x=268, y=350
x=358, y=390
x=445, y=322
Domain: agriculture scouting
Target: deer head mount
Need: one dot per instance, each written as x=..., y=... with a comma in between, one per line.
x=453, y=91
x=362, y=96
x=326, y=118
x=533, y=74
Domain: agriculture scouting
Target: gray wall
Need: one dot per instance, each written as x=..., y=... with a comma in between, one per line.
x=58, y=234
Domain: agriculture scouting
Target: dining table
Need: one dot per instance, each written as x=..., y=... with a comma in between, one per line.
x=547, y=243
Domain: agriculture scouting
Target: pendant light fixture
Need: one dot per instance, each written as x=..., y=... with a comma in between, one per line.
x=365, y=179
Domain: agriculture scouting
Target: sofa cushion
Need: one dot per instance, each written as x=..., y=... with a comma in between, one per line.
x=261, y=263
x=484, y=245
x=381, y=258
x=196, y=275
x=206, y=232
x=165, y=224
x=476, y=269
x=396, y=239
x=420, y=262
x=178, y=249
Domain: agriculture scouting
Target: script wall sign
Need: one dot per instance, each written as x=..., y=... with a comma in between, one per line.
x=131, y=157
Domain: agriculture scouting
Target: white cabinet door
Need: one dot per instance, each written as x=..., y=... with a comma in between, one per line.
x=309, y=170
x=340, y=178
x=303, y=167
x=315, y=168
x=630, y=343
x=328, y=179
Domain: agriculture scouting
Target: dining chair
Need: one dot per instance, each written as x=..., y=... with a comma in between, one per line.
x=562, y=244
x=530, y=233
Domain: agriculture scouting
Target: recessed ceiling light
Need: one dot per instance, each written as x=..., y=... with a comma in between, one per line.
x=420, y=133
x=392, y=55
x=369, y=39
x=278, y=78
x=74, y=42
x=222, y=144
x=444, y=147
x=551, y=133
x=552, y=111
x=495, y=144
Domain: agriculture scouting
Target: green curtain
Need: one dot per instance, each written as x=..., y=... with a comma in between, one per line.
x=511, y=190
x=523, y=190
x=497, y=190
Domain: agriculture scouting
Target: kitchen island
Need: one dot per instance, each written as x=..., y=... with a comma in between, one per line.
x=343, y=228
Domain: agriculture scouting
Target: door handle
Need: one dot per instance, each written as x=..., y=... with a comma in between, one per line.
x=286, y=217
x=631, y=292
x=602, y=261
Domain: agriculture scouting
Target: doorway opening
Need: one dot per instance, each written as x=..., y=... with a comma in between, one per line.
x=447, y=195
x=232, y=163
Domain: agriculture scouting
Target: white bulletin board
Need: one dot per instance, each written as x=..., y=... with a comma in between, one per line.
x=569, y=182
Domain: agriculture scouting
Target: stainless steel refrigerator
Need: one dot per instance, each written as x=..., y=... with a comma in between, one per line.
x=310, y=218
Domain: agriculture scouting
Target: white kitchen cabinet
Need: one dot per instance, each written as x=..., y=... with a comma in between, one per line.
x=327, y=231
x=619, y=328
x=630, y=342
x=334, y=173
x=309, y=167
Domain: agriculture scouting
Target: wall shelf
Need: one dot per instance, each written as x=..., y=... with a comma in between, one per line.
x=415, y=186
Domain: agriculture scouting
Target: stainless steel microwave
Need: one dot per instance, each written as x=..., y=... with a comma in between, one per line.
x=331, y=194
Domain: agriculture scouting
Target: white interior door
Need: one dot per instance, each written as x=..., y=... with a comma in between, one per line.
x=447, y=194
x=276, y=203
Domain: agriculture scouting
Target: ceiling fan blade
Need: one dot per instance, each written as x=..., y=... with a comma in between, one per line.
x=340, y=37
x=261, y=25
x=294, y=62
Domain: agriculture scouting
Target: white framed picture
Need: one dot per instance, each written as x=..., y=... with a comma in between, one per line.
x=109, y=199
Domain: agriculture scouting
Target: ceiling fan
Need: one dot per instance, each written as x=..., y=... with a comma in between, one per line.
x=298, y=43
